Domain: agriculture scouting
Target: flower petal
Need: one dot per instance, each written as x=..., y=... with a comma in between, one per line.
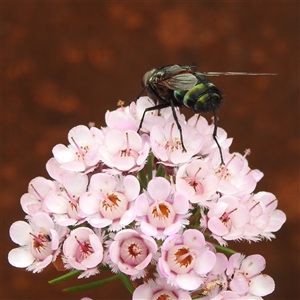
x=20, y=258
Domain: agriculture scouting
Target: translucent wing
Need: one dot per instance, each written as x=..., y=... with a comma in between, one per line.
x=182, y=82
x=174, y=70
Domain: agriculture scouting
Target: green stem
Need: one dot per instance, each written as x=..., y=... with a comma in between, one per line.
x=91, y=285
x=224, y=249
x=65, y=277
x=126, y=282
x=143, y=179
x=160, y=172
x=150, y=166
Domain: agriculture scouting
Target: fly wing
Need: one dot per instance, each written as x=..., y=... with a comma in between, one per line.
x=174, y=70
x=181, y=82
x=234, y=73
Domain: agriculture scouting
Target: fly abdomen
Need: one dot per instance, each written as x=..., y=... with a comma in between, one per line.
x=203, y=97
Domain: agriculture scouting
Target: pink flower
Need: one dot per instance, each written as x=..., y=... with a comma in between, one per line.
x=63, y=202
x=197, y=181
x=185, y=260
x=216, y=279
x=236, y=178
x=227, y=219
x=124, y=150
x=121, y=118
x=155, y=117
x=246, y=276
x=55, y=170
x=224, y=295
x=159, y=289
x=33, y=201
x=166, y=143
x=110, y=200
x=161, y=212
x=39, y=241
x=131, y=252
x=209, y=145
x=82, y=154
x=83, y=250
x=221, y=263
x=264, y=217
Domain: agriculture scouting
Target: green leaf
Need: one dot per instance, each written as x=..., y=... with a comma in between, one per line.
x=91, y=285
x=65, y=277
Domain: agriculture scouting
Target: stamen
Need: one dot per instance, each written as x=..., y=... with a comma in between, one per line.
x=196, y=185
x=225, y=167
x=134, y=250
x=109, y=201
x=193, y=179
x=80, y=150
x=225, y=216
x=127, y=147
x=247, y=152
x=271, y=202
x=127, y=151
x=37, y=238
x=173, y=142
x=161, y=211
x=72, y=199
x=184, y=257
x=39, y=241
x=85, y=247
x=38, y=194
x=257, y=203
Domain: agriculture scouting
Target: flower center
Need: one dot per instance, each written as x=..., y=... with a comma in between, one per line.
x=133, y=251
x=161, y=215
x=41, y=245
x=84, y=250
x=81, y=150
x=194, y=183
x=181, y=259
x=164, y=295
x=173, y=143
x=113, y=205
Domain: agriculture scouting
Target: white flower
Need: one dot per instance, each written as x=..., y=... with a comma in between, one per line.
x=186, y=260
x=39, y=241
x=131, y=252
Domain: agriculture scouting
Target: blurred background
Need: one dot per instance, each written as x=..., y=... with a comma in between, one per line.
x=67, y=63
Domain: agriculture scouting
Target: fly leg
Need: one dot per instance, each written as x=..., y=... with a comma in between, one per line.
x=156, y=107
x=215, y=135
x=161, y=106
x=177, y=123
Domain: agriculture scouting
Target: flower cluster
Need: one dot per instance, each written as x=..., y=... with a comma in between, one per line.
x=136, y=203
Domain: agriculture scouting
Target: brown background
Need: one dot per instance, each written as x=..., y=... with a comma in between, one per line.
x=66, y=63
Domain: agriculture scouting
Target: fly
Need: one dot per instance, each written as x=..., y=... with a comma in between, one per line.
x=180, y=85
